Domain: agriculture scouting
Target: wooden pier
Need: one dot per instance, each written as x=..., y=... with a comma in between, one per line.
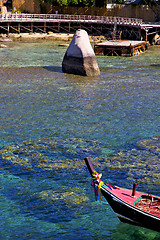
x=130, y=28
x=123, y=48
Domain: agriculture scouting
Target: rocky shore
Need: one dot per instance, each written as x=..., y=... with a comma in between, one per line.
x=156, y=40
x=64, y=37
x=38, y=36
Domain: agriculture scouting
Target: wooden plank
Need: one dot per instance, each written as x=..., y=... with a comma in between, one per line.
x=120, y=43
x=75, y=18
x=27, y=28
x=130, y=27
x=120, y=48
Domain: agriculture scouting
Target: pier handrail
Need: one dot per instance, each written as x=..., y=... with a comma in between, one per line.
x=66, y=17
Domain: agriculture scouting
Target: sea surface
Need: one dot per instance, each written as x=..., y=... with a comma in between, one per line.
x=49, y=121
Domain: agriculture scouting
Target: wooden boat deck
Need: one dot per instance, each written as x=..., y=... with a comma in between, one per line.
x=147, y=203
x=120, y=48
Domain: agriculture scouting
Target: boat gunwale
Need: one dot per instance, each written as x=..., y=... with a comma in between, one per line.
x=128, y=204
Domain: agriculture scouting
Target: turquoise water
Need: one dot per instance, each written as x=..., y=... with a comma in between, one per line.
x=81, y=116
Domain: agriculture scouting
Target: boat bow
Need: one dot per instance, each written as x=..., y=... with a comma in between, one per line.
x=131, y=206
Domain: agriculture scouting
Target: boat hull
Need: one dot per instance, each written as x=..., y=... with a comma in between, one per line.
x=129, y=214
x=130, y=206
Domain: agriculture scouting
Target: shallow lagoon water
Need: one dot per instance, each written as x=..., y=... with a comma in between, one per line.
x=87, y=116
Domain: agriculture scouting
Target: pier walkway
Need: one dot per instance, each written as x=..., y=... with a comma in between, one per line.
x=19, y=23
x=69, y=18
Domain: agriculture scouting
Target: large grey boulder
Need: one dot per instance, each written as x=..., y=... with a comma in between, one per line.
x=80, y=58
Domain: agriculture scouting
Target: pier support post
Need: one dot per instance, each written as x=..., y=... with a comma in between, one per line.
x=45, y=27
x=31, y=27
x=69, y=27
x=139, y=33
x=146, y=35
x=19, y=28
x=59, y=27
x=8, y=28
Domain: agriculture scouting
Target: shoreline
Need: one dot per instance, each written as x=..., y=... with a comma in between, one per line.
x=62, y=37
x=66, y=37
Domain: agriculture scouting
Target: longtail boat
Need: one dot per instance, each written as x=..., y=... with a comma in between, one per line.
x=131, y=206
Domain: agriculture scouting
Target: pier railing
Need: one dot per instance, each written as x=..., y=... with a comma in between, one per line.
x=72, y=18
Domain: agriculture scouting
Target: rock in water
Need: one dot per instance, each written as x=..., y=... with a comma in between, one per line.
x=80, y=58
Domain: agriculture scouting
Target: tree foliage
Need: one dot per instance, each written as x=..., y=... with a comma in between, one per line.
x=100, y=3
x=152, y=2
x=69, y=2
